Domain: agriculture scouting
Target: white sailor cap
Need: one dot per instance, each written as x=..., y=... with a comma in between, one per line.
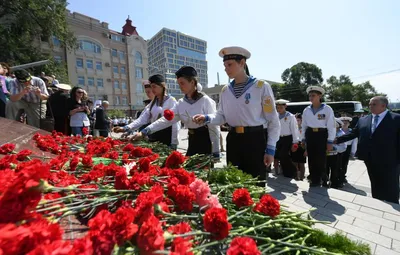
x=315, y=88
x=146, y=82
x=339, y=121
x=199, y=87
x=346, y=119
x=234, y=52
x=281, y=102
x=98, y=102
x=63, y=86
x=359, y=110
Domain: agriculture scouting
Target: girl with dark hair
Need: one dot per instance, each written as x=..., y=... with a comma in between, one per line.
x=246, y=104
x=203, y=139
x=298, y=157
x=78, y=112
x=318, y=133
x=160, y=103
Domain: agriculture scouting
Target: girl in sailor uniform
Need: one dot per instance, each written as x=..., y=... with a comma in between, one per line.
x=154, y=111
x=350, y=150
x=298, y=156
x=318, y=133
x=289, y=137
x=246, y=104
x=203, y=139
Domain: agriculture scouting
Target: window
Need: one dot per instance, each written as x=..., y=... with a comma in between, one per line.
x=139, y=73
x=56, y=41
x=89, y=46
x=124, y=101
x=121, y=55
x=139, y=87
x=89, y=63
x=116, y=100
x=115, y=68
x=58, y=59
x=79, y=63
x=116, y=38
x=123, y=85
x=90, y=81
x=100, y=83
x=81, y=80
x=139, y=101
x=114, y=53
x=138, y=58
x=116, y=84
x=99, y=65
x=123, y=69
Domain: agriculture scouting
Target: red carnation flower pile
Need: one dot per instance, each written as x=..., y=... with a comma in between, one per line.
x=175, y=160
x=268, y=205
x=241, y=198
x=169, y=115
x=243, y=246
x=216, y=222
x=7, y=148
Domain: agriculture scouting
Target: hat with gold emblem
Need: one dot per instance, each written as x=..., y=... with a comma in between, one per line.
x=234, y=52
x=315, y=89
x=281, y=102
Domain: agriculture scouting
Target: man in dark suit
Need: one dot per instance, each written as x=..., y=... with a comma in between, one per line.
x=379, y=147
x=102, y=120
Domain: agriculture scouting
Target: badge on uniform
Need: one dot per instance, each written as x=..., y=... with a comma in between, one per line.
x=321, y=116
x=247, y=97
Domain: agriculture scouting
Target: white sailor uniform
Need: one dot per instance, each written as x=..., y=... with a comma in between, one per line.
x=168, y=136
x=289, y=135
x=203, y=139
x=246, y=112
x=318, y=130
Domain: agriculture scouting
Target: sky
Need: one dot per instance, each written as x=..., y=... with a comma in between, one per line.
x=359, y=38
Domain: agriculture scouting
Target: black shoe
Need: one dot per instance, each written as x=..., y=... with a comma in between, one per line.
x=325, y=184
x=337, y=185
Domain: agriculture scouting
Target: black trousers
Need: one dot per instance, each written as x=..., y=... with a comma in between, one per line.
x=333, y=163
x=284, y=146
x=345, y=163
x=246, y=151
x=103, y=133
x=384, y=179
x=316, y=150
x=199, y=141
x=162, y=136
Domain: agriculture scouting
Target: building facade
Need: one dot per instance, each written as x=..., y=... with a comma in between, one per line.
x=109, y=65
x=169, y=50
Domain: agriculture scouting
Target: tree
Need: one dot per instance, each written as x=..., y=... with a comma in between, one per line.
x=298, y=78
x=25, y=23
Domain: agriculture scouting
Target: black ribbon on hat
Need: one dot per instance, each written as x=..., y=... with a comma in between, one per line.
x=234, y=57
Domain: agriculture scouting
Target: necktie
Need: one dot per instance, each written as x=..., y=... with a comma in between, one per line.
x=375, y=123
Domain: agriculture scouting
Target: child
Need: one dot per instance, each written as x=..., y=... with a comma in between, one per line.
x=350, y=151
x=334, y=161
x=298, y=157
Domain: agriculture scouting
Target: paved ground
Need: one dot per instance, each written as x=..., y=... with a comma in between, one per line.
x=351, y=210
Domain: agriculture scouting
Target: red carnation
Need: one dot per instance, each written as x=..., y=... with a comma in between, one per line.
x=85, y=130
x=183, y=197
x=151, y=236
x=242, y=198
x=243, y=246
x=128, y=147
x=22, y=155
x=7, y=148
x=87, y=160
x=216, y=222
x=74, y=163
x=268, y=205
x=174, y=160
x=180, y=228
x=169, y=115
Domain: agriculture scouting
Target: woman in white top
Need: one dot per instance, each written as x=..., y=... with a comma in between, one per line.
x=203, y=139
x=246, y=104
x=160, y=103
x=78, y=111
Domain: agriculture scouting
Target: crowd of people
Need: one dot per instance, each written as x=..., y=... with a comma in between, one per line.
x=261, y=132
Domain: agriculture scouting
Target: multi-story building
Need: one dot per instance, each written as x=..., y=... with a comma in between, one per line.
x=109, y=65
x=169, y=50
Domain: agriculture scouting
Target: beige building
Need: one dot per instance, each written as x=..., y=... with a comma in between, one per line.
x=109, y=65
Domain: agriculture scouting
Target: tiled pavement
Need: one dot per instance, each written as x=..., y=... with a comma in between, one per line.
x=351, y=210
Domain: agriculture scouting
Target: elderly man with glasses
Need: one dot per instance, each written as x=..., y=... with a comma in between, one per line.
x=30, y=94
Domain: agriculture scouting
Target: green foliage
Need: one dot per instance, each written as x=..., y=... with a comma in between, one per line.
x=116, y=113
x=228, y=175
x=338, y=243
x=297, y=79
x=25, y=23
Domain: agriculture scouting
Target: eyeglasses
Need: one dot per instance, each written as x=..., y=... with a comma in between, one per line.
x=79, y=92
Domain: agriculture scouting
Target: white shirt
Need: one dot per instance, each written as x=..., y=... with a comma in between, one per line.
x=322, y=118
x=289, y=126
x=156, y=112
x=381, y=116
x=184, y=111
x=254, y=107
x=352, y=143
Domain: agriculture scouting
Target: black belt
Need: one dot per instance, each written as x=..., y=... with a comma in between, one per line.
x=242, y=130
x=317, y=129
x=193, y=131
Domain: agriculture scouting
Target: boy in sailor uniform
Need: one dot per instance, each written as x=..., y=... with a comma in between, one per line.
x=318, y=133
x=203, y=139
x=350, y=150
x=289, y=137
x=246, y=104
x=154, y=111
